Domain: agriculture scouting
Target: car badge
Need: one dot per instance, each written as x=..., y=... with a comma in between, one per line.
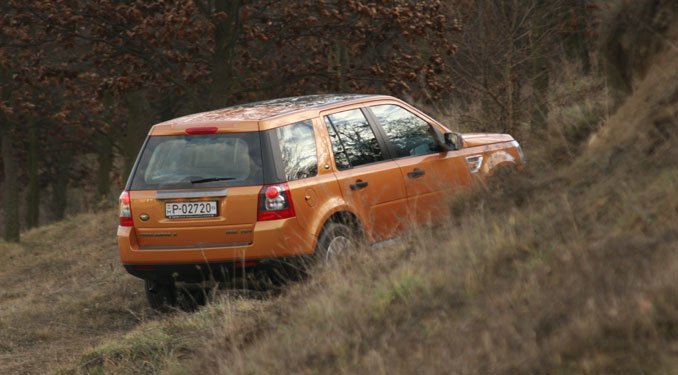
x=144, y=217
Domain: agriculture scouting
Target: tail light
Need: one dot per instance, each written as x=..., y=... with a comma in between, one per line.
x=125, y=210
x=275, y=202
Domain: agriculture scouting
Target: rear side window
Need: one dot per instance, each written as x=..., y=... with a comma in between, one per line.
x=409, y=134
x=353, y=140
x=192, y=161
x=297, y=150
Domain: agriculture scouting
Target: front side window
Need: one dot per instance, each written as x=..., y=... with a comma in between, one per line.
x=193, y=161
x=409, y=134
x=353, y=140
x=298, y=150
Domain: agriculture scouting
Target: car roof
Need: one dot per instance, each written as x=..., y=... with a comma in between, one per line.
x=267, y=109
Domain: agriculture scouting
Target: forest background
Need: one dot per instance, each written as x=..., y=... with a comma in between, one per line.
x=81, y=82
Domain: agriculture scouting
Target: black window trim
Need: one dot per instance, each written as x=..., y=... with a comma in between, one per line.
x=382, y=133
x=274, y=172
x=341, y=143
x=379, y=133
x=130, y=178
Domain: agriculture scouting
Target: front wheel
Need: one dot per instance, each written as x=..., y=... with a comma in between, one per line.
x=335, y=239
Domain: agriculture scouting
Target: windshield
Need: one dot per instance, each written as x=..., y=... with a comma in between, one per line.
x=195, y=161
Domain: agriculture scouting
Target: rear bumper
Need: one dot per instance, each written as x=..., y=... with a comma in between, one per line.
x=217, y=271
x=271, y=239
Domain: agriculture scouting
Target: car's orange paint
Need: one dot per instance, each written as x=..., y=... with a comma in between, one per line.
x=382, y=204
x=427, y=194
x=388, y=205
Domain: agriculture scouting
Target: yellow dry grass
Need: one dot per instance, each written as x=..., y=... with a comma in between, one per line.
x=63, y=290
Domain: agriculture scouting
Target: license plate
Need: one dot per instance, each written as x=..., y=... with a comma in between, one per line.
x=175, y=210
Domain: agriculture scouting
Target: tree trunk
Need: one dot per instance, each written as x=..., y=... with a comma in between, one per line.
x=509, y=80
x=10, y=192
x=540, y=74
x=225, y=34
x=105, y=165
x=33, y=195
x=60, y=185
x=339, y=65
x=582, y=49
x=138, y=122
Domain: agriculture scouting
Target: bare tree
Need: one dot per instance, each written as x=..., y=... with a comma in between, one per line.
x=503, y=58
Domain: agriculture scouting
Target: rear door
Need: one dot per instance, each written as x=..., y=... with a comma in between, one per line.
x=431, y=174
x=197, y=190
x=369, y=180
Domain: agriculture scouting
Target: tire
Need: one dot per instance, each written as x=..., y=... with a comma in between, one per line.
x=161, y=296
x=284, y=274
x=190, y=298
x=335, y=239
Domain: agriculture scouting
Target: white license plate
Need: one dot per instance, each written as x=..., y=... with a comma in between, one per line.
x=175, y=210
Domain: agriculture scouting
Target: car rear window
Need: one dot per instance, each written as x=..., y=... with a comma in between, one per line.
x=193, y=161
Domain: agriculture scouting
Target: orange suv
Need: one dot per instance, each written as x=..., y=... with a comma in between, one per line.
x=253, y=187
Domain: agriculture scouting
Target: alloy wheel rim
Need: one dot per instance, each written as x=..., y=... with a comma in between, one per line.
x=337, y=246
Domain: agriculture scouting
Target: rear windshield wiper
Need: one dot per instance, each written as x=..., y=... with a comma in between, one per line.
x=212, y=179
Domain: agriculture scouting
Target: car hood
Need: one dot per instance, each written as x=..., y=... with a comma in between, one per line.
x=477, y=139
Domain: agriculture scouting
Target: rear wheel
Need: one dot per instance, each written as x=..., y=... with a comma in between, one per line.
x=161, y=296
x=191, y=297
x=335, y=239
x=165, y=296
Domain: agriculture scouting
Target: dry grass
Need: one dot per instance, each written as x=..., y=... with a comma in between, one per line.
x=63, y=290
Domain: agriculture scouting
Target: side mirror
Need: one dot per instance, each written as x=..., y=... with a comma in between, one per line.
x=454, y=141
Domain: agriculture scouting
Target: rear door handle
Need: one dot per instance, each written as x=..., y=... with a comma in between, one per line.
x=416, y=173
x=358, y=185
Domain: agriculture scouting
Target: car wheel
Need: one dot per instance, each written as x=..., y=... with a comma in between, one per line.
x=161, y=296
x=335, y=239
x=190, y=298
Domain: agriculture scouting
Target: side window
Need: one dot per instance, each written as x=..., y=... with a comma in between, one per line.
x=298, y=150
x=409, y=134
x=353, y=140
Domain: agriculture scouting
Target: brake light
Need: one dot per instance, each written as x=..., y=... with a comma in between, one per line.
x=202, y=130
x=272, y=192
x=275, y=202
x=125, y=210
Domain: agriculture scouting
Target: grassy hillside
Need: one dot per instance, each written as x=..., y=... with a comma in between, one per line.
x=571, y=269
x=63, y=291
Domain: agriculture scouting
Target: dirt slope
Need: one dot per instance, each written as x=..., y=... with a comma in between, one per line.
x=63, y=290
